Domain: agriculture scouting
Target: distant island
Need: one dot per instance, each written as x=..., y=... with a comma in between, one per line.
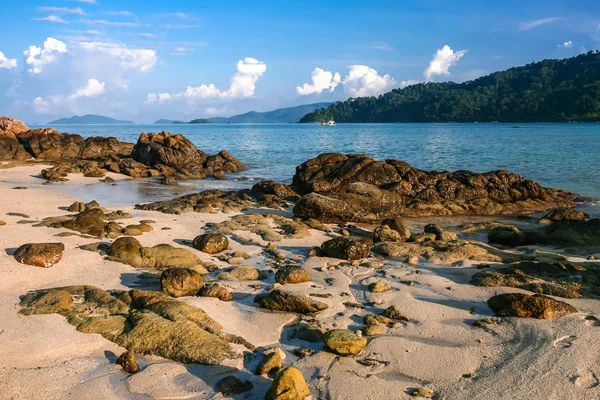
x=546, y=91
x=279, y=116
x=90, y=119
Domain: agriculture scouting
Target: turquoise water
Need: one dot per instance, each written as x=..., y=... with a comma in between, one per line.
x=565, y=156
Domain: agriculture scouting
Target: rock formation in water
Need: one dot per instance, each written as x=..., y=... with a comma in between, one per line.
x=357, y=188
x=154, y=154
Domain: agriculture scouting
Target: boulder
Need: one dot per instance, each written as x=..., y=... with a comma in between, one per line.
x=211, y=243
x=355, y=187
x=10, y=147
x=379, y=287
x=289, y=384
x=569, y=234
x=278, y=300
x=265, y=188
x=564, y=214
x=344, y=342
x=49, y=144
x=271, y=362
x=346, y=249
x=128, y=250
x=241, y=273
x=506, y=235
x=179, y=282
x=310, y=332
x=292, y=274
x=528, y=306
x=42, y=255
x=215, y=290
x=232, y=385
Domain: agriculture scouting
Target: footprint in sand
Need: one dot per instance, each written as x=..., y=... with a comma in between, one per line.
x=590, y=320
x=565, y=342
x=586, y=380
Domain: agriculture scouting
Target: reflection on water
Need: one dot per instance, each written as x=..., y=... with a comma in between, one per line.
x=558, y=155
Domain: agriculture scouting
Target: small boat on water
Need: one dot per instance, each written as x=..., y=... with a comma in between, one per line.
x=329, y=123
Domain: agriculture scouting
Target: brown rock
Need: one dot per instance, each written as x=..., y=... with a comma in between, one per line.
x=289, y=384
x=215, y=290
x=292, y=274
x=211, y=243
x=179, y=282
x=40, y=254
x=527, y=306
x=127, y=361
x=278, y=300
x=346, y=249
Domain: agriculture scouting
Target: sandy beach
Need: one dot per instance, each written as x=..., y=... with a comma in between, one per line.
x=437, y=348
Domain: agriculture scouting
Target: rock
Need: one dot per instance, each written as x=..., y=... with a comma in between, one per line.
x=373, y=330
x=270, y=363
x=232, y=385
x=506, y=235
x=108, y=179
x=77, y=207
x=346, y=249
x=393, y=312
x=168, y=180
x=423, y=392
x=292, y=274
x=265, y=188
x=391, y=230
x=241, y=273
x=49, y=302
x=344, y=342
x=310, y=332
x=564, y=214
x=439, y=233
x=304, y=352
x=527, y=306
x=127, y=361
x=42, y=255
x=340, y=188
x=10, y=148
x=289, y=384
x=569, y=234
x=412, y=260
x=179, y=282
x=372, y=319
x=379, y=287
x=215, y=290
x=278, y=300
x=211, y=243
x=128, y=250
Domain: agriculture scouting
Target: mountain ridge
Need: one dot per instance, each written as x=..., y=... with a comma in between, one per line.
x=90, y=119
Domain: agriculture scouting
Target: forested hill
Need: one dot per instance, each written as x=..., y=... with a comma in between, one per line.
x=550, y=90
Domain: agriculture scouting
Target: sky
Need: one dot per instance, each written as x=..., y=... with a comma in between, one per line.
x=145, y=60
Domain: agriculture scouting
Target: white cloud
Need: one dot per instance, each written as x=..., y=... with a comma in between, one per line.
x=52, y=18
x=242, y=85
x=92, y=88
x=213, y=111
x=408, y=82
x=181, y=51
x=147, y=35
x=365, y=81
x=102, y=22
x=442, y=60
x=179, y=15
x=321, y=80
x=566, y=45
x=527, y=25
x=140, y=60
x=123, y=13
x=87, y=1
x=380, y=46
x=37, y=57
x=7, y=63
x=40, y=105
x=178, y=26
x=62, y=10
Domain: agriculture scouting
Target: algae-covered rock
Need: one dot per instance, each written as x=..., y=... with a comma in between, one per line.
x=394, y=312
x=42, y=255
x=50, y=302
x=232, y=385
x=241, y=273
x=344, y=342
x=271, y=362
x=211, y=243
x=292, y=274
x=527, y=306
x=128, y=250
x=127, y=362
x=506, y=235
x=215, y=290
x=278, y=300
x=391, y=230
x=564, y=214
x=379, y=287
x=289, y=384
x=310, y=332
x=346, y=249
x=179, y=282
x=423, y=392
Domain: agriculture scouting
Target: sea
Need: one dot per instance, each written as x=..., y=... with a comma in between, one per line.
x=565, y=156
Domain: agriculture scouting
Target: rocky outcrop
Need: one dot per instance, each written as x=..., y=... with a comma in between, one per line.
x=357, y=188
x=42, y=255
x=174, y=154
x=10, y=147
x=506, y=235
x=527, y=306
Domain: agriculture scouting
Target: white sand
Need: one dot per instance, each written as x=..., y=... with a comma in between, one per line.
x=43, y=357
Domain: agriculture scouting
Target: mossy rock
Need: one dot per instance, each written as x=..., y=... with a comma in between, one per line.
x=344, y=342
x=292, y=274
x=527, y=306
x=278, y=300
x=179, y=282
x=289, y=384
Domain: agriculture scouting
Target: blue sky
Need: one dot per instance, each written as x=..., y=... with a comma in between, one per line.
x=145, y=60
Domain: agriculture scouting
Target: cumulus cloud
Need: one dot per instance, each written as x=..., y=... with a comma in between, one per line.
x=40, y=105
x=7, y=63
x=62, y=10
x=321, y=80
x=157, y=98
x=242, y=84
x=363, y=80
x=442, y=60
x=527, y=25
x=566, y=45
x=140, y=60
x=92, y=88
x=408, y=82
x=52, y=18
x=37, y=57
